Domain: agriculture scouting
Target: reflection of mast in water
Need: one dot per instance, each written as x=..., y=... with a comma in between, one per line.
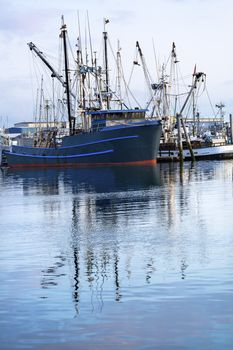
x=96, y=258
x=76, y=249
x=170, y=200
x=76, y=279
x=51, y=274
x=175, y=176
x=183, y=267
x=128, y=268
x=150, y=269
x=116, y=274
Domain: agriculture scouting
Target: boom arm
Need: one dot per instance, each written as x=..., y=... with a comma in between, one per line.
x=42, y=57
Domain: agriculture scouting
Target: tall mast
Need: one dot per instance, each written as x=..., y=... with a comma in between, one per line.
x=81, y=78
x=41, y=99
x=119, y=72
x=105, y=34
x=194, y=104
x=70, y=118
x=197, y=77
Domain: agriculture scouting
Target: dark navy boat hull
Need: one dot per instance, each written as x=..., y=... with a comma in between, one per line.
x=135, y=143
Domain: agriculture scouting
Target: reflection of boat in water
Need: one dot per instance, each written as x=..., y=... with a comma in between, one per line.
x=88, y=201
x=110, y=179
x=107, y=135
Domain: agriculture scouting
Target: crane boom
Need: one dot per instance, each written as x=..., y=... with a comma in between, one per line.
x=43, y=58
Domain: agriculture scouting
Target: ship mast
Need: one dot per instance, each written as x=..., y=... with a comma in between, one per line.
x=105, y=34
x=119, y=74
x=197, y=77
x=70, y=117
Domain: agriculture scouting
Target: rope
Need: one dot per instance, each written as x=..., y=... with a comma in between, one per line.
x=214, y=113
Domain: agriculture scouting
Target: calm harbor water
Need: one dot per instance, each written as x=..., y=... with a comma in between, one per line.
x=117, y=258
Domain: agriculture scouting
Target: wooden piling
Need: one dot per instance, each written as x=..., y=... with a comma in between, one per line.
x=231, y=124
x=180, y=146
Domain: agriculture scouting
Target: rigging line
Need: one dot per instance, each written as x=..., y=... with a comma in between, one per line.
x=182, y=78
x=171, y=78
x=35, y=67
x=177, y=95
x=185, y=77
x=198, y=93
x=113, y=55
x=156, y=61
x=79, y=36
x=47, y=55
x=148, y=76
x=129, y=92
x=49, y=79
x=134, y=99
x=31, y=83
x=168, y=60
x=127, y=85
x=145, y=70
x=127, y=89
x=70, y=47
x=131, y=74
x=188, y=107
x=39, y=68
x=196, y=96
x=85, y=40
x=212, y=107
x=177, y=89
x=123, y=77
x=60, y=89
x=60, y=58
x=90, y=42
x=120, y=72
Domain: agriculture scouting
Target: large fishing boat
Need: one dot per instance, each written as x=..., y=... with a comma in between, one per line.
x=107, y=136
x=133, y=143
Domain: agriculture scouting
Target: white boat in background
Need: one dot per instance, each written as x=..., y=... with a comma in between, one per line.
x=4, y=145
x=215, y=150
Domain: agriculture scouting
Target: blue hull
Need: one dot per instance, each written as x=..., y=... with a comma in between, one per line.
x=135, y=143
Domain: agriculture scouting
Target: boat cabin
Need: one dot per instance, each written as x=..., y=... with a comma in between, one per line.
x=103, y=118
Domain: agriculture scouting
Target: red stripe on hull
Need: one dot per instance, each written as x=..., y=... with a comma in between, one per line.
x=83, y=165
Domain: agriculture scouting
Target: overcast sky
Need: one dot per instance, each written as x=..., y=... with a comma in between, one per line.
x=201, y=29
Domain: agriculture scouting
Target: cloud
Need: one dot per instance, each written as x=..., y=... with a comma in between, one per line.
x=19, y=21
x=201, y=34
x=121, y=15
x=228, y=82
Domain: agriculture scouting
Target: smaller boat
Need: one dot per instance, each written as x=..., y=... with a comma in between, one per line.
x=170, y=152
